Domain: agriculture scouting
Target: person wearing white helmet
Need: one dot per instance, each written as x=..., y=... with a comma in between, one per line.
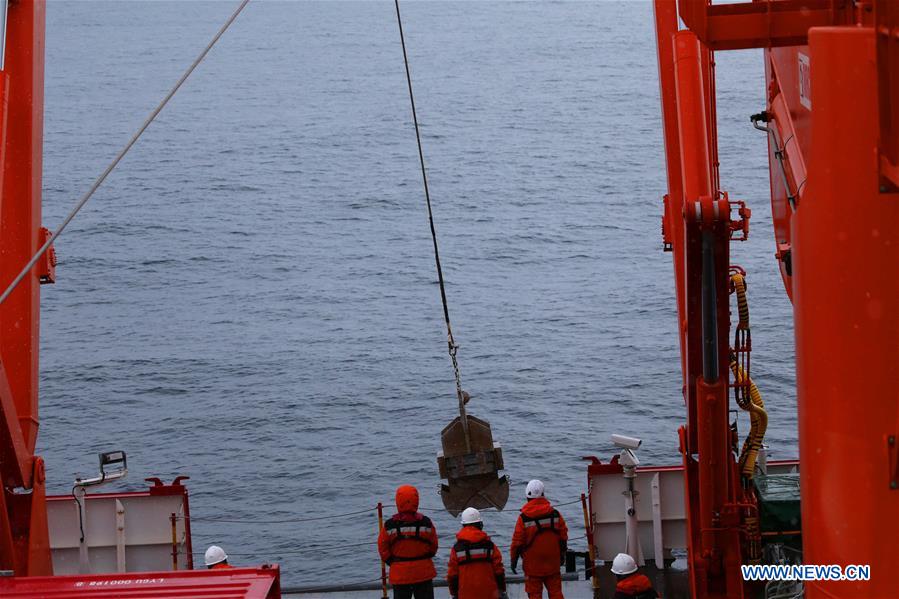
x=476, y=564
x=631, y=584
x=541, y=539
x=216, y=558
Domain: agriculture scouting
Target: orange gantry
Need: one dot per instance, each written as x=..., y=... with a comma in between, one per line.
x=832, y=120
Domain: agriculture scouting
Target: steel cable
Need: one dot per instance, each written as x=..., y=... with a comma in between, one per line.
x=318, y=518
x=441, y=549
x=451, y=342
x=99, y=181
x=287, y=521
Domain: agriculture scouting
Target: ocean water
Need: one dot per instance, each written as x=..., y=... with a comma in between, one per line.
x=251, y=297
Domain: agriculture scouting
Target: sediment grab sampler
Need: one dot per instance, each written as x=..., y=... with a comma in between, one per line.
x=470, y=461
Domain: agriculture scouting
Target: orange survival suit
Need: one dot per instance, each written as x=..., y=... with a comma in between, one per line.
x=635, y=586
x=408, y=541
x=541, y=538
x=475, y=566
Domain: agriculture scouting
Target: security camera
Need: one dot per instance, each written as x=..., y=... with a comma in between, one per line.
x=625, y=442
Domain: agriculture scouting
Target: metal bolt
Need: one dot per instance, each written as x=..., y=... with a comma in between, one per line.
x=884, y=189
x=894, y=484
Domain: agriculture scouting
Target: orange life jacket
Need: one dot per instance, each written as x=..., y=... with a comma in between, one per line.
x=475, y=566
x=540, y=534
x=534, y=526
x=404, y=531
x=408, y=541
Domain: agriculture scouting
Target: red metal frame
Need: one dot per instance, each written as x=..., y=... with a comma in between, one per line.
x=886, y=25
x=24, y=533
x=834, y=160
x=765, y=24
x=24, y=537
x=233, y=583
x=696, y=216
x=845, y=304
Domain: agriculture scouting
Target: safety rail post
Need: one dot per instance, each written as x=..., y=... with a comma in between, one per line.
x=383, y=565
x=174, y=520
x=588, y=528
x=120, y=536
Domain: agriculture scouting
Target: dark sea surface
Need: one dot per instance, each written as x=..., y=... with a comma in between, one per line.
x=251, y=297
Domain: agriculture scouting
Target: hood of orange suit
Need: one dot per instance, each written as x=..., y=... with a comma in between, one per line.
x=407, y=499
x=472, y=534
x=537, y=507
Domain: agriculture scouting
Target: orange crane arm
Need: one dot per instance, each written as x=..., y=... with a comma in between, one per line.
x=832, y=121
x=24, y=537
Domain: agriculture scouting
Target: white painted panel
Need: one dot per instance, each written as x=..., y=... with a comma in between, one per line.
x=606, y=505
x=147, y=533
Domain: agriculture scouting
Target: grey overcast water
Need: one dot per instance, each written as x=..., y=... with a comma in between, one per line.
x=251, y=298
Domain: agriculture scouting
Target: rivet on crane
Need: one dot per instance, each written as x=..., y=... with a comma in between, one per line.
x=470, y=461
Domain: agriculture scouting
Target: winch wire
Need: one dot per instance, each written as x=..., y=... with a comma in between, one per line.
x=424, y=177
x=115, y=161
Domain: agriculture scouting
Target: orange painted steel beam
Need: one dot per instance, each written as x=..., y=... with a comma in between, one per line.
x=24, y=537
x=846, y=304
x=17, y=458
x=673, y=233
x=715, y=551
x=788, y=108
x=886, y=24
x=692, y=111
x=672, y=219
x=765, y=24
x=20, y=207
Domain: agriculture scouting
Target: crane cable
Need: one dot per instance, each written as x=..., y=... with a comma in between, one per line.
x=115, y=161
x=451, y=342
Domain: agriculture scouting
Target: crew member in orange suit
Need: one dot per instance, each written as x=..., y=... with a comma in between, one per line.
x=407, y=543
x=631, y=584
x=476, y=563
x=541, y=539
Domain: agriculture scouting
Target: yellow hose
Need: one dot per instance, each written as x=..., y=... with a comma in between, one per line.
x=758, y=417
x=739, y=283
x=758, y=423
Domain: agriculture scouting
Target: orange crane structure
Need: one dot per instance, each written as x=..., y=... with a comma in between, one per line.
x=832, y=120
x=24, y=534
x=26, y=556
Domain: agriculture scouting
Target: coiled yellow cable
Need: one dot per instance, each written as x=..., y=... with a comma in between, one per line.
x=739, y=283
x=758, y=417
x=758, y=422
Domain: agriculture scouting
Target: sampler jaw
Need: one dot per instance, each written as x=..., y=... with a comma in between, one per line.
x=471, y=468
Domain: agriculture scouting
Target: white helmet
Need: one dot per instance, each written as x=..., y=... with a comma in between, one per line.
x=535, y=489
x=215, y=555
x=471, y=516
x=624, y=564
